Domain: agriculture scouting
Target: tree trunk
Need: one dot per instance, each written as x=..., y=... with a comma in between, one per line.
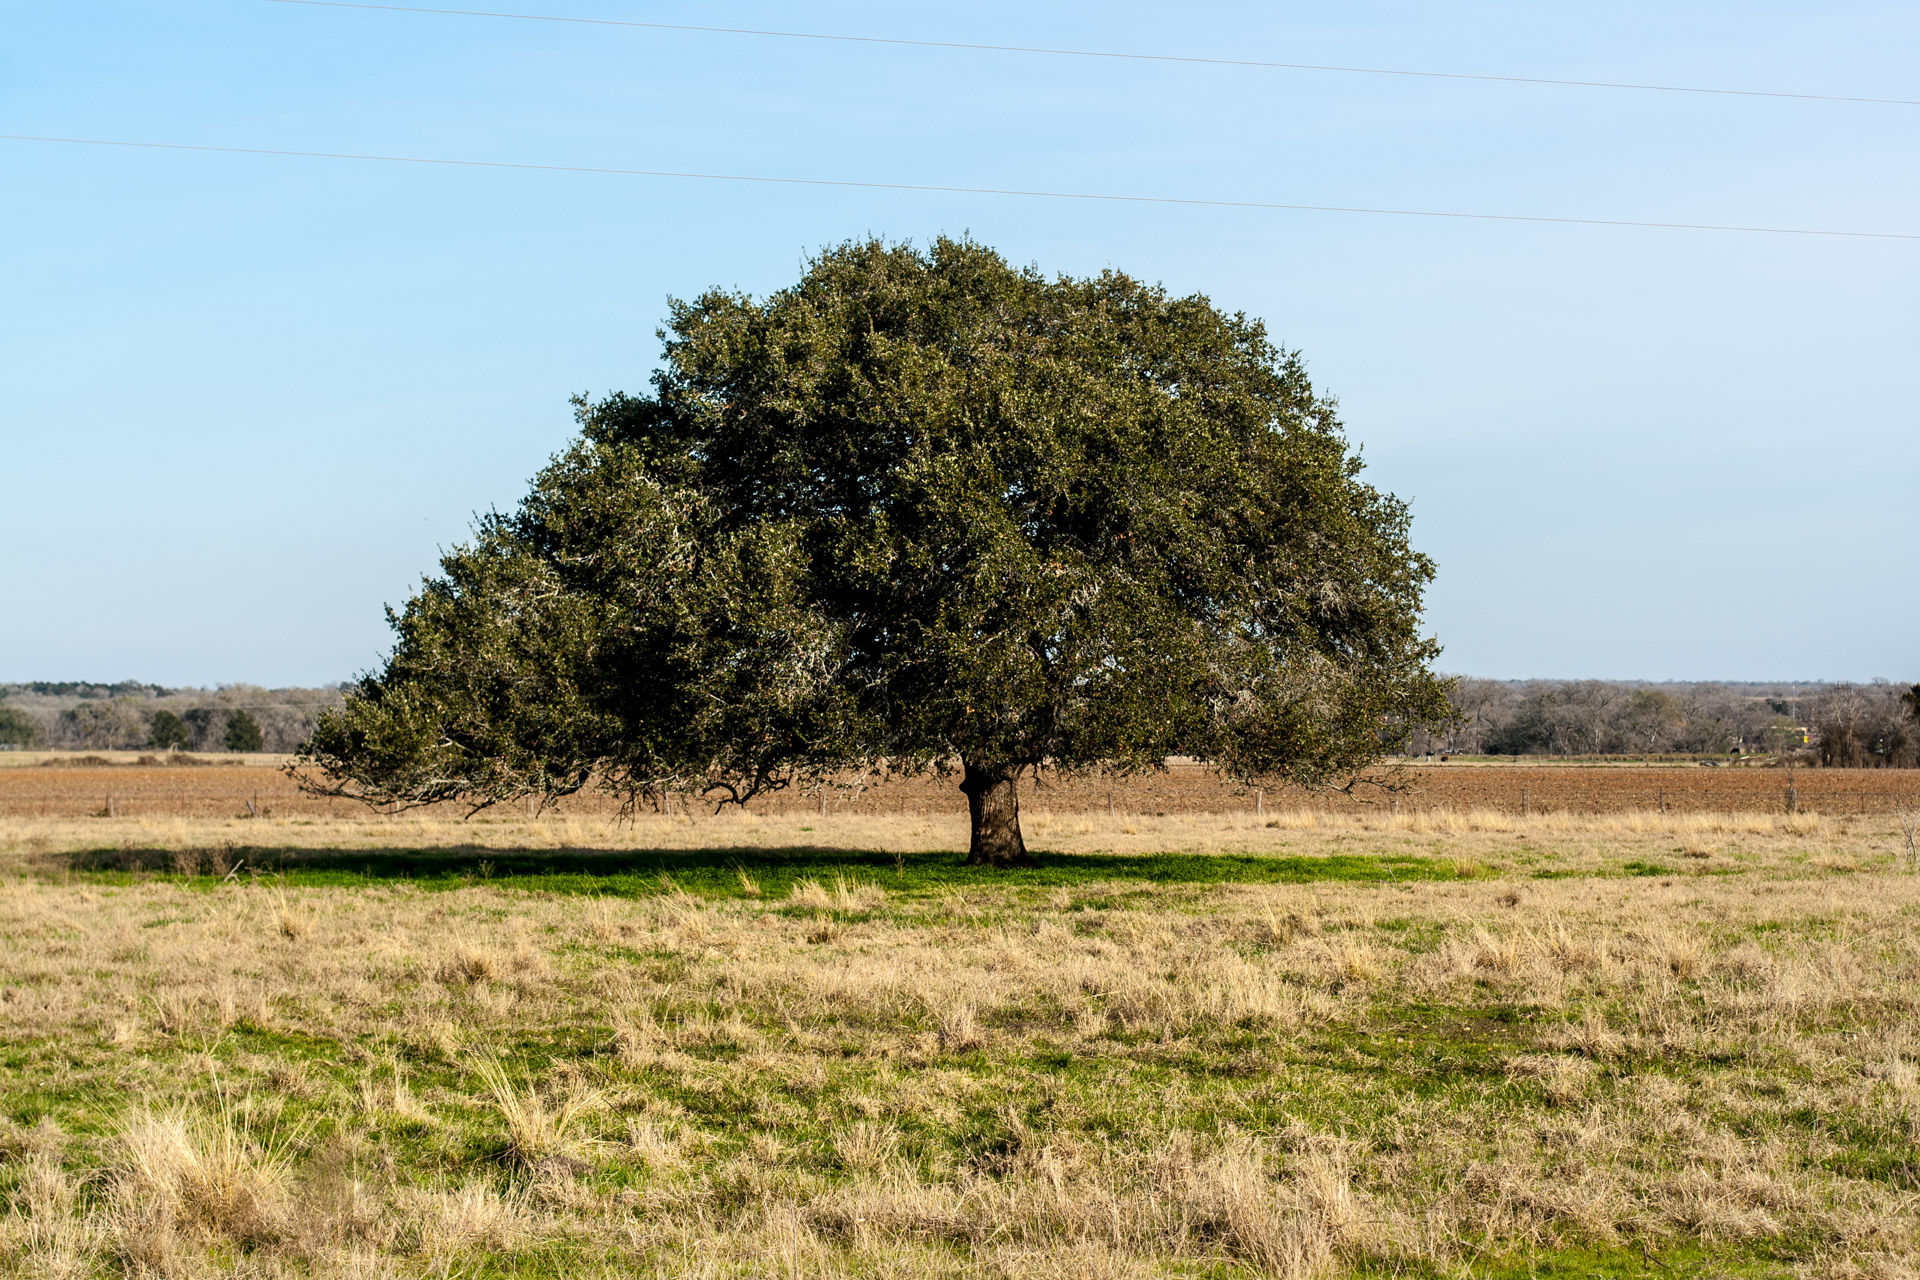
x=993, y=802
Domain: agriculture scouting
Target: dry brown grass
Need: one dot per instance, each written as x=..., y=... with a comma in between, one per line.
x=1709, y=1064
x=249, y=846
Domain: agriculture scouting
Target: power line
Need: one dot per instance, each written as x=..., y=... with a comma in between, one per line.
x=1192, y=201
x=1111, y=54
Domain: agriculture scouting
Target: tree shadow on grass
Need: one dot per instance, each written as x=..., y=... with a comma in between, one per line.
x=718, y=872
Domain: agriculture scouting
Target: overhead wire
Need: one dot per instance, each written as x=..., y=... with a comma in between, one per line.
x=1117, y=55
x=938, y=188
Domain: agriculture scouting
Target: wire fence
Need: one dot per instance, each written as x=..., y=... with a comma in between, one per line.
x=148, y=792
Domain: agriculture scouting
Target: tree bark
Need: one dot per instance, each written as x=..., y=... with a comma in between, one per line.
x=993, y=802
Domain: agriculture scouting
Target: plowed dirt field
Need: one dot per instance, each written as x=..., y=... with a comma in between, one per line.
x=63, y=790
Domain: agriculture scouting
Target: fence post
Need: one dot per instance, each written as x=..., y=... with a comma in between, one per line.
x=1259, y=801
x=1523, y=802
x=1663, y=800
x=1109, y=803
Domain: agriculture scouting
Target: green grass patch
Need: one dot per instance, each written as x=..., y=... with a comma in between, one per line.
x=714, y=873
x=1629, y=1263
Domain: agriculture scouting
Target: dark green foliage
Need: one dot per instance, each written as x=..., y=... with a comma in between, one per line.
x=167, y=731
x=243, y=733
x=89, y=689
x=17, y=728
x=918, y=508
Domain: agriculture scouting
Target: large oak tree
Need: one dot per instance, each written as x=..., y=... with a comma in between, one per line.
x=920, y=510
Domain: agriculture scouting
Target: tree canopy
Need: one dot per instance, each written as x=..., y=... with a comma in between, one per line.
x=921, y=508
x=243, y=733
x=167, y=732
x=17, y=728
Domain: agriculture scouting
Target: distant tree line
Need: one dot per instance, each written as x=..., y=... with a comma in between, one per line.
x=1835, y=725
x=1868, y=726
x=129, y=716
x=193, y=730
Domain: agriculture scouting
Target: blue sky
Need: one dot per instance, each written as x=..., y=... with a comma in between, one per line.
x=244, y=400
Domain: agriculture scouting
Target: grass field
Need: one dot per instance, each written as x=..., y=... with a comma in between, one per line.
x=1299, y=1044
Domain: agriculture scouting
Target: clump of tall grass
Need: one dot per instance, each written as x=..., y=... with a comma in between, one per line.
x=847, y=894
x=475, y=1217
x=539, y=1133
x=48, y=1236
x=201, y=1173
